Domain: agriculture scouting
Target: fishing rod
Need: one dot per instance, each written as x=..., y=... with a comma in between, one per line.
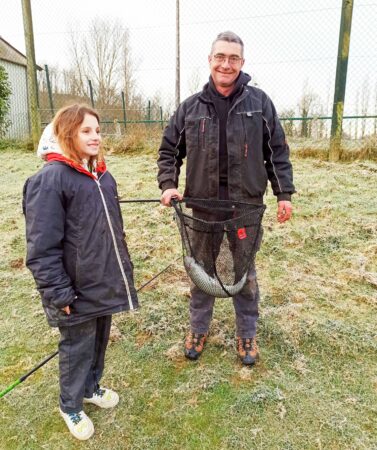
x=27, y=375
x=46, y=360
x=141, y=200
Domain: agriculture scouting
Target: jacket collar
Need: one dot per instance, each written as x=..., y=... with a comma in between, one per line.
x=101, y=166
x=207, y=92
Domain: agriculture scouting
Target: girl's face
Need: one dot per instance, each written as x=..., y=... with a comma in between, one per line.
x=88, y=137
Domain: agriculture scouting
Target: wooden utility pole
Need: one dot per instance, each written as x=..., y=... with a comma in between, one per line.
x=177, y=60
x=340, y=80
x=35, y=119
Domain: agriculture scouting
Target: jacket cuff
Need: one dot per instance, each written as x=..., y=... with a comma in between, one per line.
x=64, y=298
x=168, y=185
x=283, y=196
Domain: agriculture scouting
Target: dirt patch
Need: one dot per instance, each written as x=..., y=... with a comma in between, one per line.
x=17, y=263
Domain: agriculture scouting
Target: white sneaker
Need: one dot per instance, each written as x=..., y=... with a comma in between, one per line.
x=104, y=398
x=79, y=424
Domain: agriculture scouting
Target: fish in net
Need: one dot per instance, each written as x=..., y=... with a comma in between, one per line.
x=220, y=241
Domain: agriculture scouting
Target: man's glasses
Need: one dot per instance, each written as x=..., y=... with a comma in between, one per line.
x=233, y=59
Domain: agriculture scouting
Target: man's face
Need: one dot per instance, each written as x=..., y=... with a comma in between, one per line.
x=225, y=63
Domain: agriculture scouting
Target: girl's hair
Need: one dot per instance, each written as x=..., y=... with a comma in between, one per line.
x=66, y=125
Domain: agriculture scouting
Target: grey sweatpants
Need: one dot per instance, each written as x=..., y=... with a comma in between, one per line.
x=82, y=350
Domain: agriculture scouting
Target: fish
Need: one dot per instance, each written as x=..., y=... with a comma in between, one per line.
x=208, y=284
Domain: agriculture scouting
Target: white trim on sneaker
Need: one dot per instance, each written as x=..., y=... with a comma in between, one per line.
x=104, y=398
x=79, y=424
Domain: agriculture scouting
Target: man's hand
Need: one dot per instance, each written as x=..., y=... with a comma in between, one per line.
x=284, y=211
x=67, y=310
x=168, y=195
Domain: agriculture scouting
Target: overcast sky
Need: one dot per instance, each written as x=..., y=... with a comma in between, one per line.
x=287, y=42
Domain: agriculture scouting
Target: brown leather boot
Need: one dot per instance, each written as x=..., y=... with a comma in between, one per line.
x=247, y=350
x=194, y=345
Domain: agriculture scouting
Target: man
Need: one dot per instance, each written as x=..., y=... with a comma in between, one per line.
x=234, y=144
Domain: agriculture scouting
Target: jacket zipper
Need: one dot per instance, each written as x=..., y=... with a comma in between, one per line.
x=245, y=136
x=115, y=245
x=269, y=145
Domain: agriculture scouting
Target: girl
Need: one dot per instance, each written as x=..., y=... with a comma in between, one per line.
x=78, y=256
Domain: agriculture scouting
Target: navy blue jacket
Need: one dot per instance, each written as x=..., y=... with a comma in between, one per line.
x=76, y=249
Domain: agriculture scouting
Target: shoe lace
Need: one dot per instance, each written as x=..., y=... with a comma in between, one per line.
x=247, y=344
x=99, y=392
x=196, y=338
x=75, y=418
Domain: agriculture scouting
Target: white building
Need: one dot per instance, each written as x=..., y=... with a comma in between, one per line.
x=14, y=63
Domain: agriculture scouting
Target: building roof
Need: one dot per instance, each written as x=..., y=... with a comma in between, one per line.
x=11, y=54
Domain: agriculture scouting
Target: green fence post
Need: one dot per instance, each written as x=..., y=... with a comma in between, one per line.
x=35, y=118
x=340, y=80
x=124, y=110
x=91, y=93
x=49, y=91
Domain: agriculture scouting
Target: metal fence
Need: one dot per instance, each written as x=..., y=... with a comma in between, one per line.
x=121, y=57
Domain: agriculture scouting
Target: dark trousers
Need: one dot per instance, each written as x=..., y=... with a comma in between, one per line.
x=245, y=303
x=82, y=350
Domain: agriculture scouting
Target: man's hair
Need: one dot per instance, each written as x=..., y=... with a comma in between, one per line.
x=228, y=36
x=66, y=125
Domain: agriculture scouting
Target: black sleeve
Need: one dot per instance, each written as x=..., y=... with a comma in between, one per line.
x=172, y=151
x=45, y=222
x=276, y=153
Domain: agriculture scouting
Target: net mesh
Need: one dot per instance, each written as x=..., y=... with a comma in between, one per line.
x=219, y=239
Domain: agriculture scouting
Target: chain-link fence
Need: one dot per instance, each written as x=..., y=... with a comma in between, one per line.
x=121, y=57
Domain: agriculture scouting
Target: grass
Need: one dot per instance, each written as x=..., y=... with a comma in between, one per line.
x=352, y=149
x=315, y=386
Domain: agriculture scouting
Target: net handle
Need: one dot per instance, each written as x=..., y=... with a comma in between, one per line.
x=178, y=210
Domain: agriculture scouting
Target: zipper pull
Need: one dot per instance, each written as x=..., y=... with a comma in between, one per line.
x=246, y=147
x=203, y=125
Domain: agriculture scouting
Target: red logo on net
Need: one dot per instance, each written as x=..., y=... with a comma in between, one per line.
x=241, y=232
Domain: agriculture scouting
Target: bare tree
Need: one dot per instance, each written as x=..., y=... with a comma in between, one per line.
x=306, y=105
x=103, y=55
x=357, y=113
x=365, y=93
x=194, y=82
x=129, y=82
x=329, y=95
x=320, y=124
x=288, y=125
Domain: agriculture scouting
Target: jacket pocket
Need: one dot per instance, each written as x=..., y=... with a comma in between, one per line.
x=197, y=130
x=54, y=315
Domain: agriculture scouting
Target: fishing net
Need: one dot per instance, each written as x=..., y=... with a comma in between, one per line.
x=219, y=239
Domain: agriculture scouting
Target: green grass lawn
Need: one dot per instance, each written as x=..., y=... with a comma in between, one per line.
x=315, y=386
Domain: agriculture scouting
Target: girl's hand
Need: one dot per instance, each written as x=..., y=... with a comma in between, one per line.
x=67, y=310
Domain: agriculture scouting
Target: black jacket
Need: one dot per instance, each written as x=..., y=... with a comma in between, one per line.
x=256, y=148
x=75, y=244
